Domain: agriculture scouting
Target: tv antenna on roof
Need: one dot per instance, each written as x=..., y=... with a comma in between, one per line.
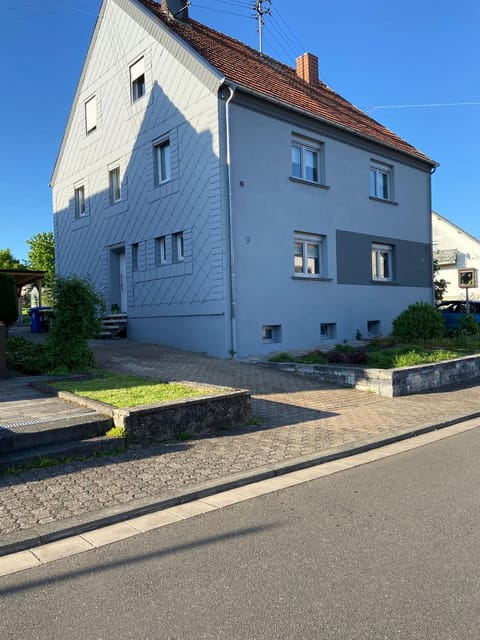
x=262, y=8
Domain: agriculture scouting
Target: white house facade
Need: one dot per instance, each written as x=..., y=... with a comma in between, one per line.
x=228, y=203
x=454, y=249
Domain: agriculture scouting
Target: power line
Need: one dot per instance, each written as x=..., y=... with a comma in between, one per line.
x=421, y=106
x=231, y=13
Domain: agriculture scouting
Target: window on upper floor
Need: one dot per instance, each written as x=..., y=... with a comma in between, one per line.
x=178, y=247
x=162, y=161
x=309, y=255
x=114, y=185
x=382, y=262
x=381, y=181
x=137, y=79
x=160, y=250
x=79, y=196
x=91, y=115
x=306, y=160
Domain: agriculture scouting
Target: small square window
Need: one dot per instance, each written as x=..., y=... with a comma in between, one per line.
x=309, y=254
x=306, y=161
x=135, y=256
x=381, y=181
x=178, y=247
x=80, y=201
x=160, y=250
x=271, y=333
x=91, y=115
x=162, y=162
x=382, y=262
x=328, y=331
x=137, y=79
x=114, y=185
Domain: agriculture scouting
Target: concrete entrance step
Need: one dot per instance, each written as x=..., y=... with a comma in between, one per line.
x=44, y=455
x=36, y=441
x=50, y=430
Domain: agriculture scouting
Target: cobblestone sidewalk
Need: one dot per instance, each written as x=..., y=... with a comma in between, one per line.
x=296, y=416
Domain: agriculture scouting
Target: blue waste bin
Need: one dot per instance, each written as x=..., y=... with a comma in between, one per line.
x=41, y=317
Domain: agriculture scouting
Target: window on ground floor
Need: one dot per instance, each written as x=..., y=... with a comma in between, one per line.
x=382, y=262
x=309, y=255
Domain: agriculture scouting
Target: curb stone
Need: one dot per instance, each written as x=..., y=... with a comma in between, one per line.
x=42, y=534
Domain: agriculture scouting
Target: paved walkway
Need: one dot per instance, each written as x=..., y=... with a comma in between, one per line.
x=297, y=417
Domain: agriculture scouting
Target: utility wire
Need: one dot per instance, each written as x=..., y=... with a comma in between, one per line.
x=231, y=13
x=421, y=106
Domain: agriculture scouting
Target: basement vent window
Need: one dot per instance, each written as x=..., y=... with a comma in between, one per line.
x=271, y=333
x=373, y=328
x=328, y=331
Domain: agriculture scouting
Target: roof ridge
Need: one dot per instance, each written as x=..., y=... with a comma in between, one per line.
x=255, y=71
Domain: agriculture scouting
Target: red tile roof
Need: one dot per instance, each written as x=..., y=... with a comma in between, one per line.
x=253, y=71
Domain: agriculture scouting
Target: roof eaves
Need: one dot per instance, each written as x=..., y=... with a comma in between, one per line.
x=263, y=96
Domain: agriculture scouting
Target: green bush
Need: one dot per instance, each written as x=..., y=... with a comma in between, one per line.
x=420, y=322
x=78, y=311
x=8, y=299
x=27, y=357
x=468, y=325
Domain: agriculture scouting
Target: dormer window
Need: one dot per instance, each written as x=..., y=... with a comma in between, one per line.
x=137, y=79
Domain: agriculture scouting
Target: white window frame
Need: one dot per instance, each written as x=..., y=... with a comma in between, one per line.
x=161, y=250
x=80, y=201
x=178, y=246
x=114, y=184
x=305, y=242
x=304, y=148
x=381, y=181
x=162, y=161
x=90, y=115
x=382, y=254
x=137, y=79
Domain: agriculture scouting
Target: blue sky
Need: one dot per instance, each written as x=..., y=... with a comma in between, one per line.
x=374, y=53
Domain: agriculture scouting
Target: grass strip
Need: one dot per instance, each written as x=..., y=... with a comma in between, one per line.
x=123, y=391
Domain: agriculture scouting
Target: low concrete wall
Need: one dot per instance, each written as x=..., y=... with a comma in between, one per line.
x=392, y=382
x=193, y=416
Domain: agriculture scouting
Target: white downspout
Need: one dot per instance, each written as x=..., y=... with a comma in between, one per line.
x=233, y=275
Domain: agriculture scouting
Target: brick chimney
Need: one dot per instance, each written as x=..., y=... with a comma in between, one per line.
x=175, y=8
x=307, y=68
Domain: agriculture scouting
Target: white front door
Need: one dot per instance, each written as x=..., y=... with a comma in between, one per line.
x=123, y=282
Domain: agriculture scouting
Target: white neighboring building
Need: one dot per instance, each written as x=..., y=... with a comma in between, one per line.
x=454, y=249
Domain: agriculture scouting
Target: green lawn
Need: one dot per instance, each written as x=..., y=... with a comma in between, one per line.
x=129, y=391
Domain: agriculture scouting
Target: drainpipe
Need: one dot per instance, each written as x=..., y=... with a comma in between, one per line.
x=432, y=171
x=233, y=275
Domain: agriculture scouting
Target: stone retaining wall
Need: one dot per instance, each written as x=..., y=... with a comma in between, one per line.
x=392, y=382
x=192, y=416
x=166, y=420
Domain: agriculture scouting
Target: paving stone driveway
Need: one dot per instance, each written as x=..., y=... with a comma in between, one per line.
x=297, y=416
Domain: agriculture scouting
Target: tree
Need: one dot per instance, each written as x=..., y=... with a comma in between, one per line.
x=41, y=257
x=7, y=261
x=439, y=284
x=8, y=299
x=8, y=314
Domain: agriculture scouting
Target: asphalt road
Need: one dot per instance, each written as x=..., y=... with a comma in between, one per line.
x=387, y=550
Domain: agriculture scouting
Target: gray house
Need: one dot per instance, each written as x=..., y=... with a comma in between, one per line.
x=229, y=203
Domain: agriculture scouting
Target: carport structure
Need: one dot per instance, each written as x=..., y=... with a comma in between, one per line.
x=23, y=277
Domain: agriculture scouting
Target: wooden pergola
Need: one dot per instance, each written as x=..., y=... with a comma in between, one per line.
x=23, y=277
